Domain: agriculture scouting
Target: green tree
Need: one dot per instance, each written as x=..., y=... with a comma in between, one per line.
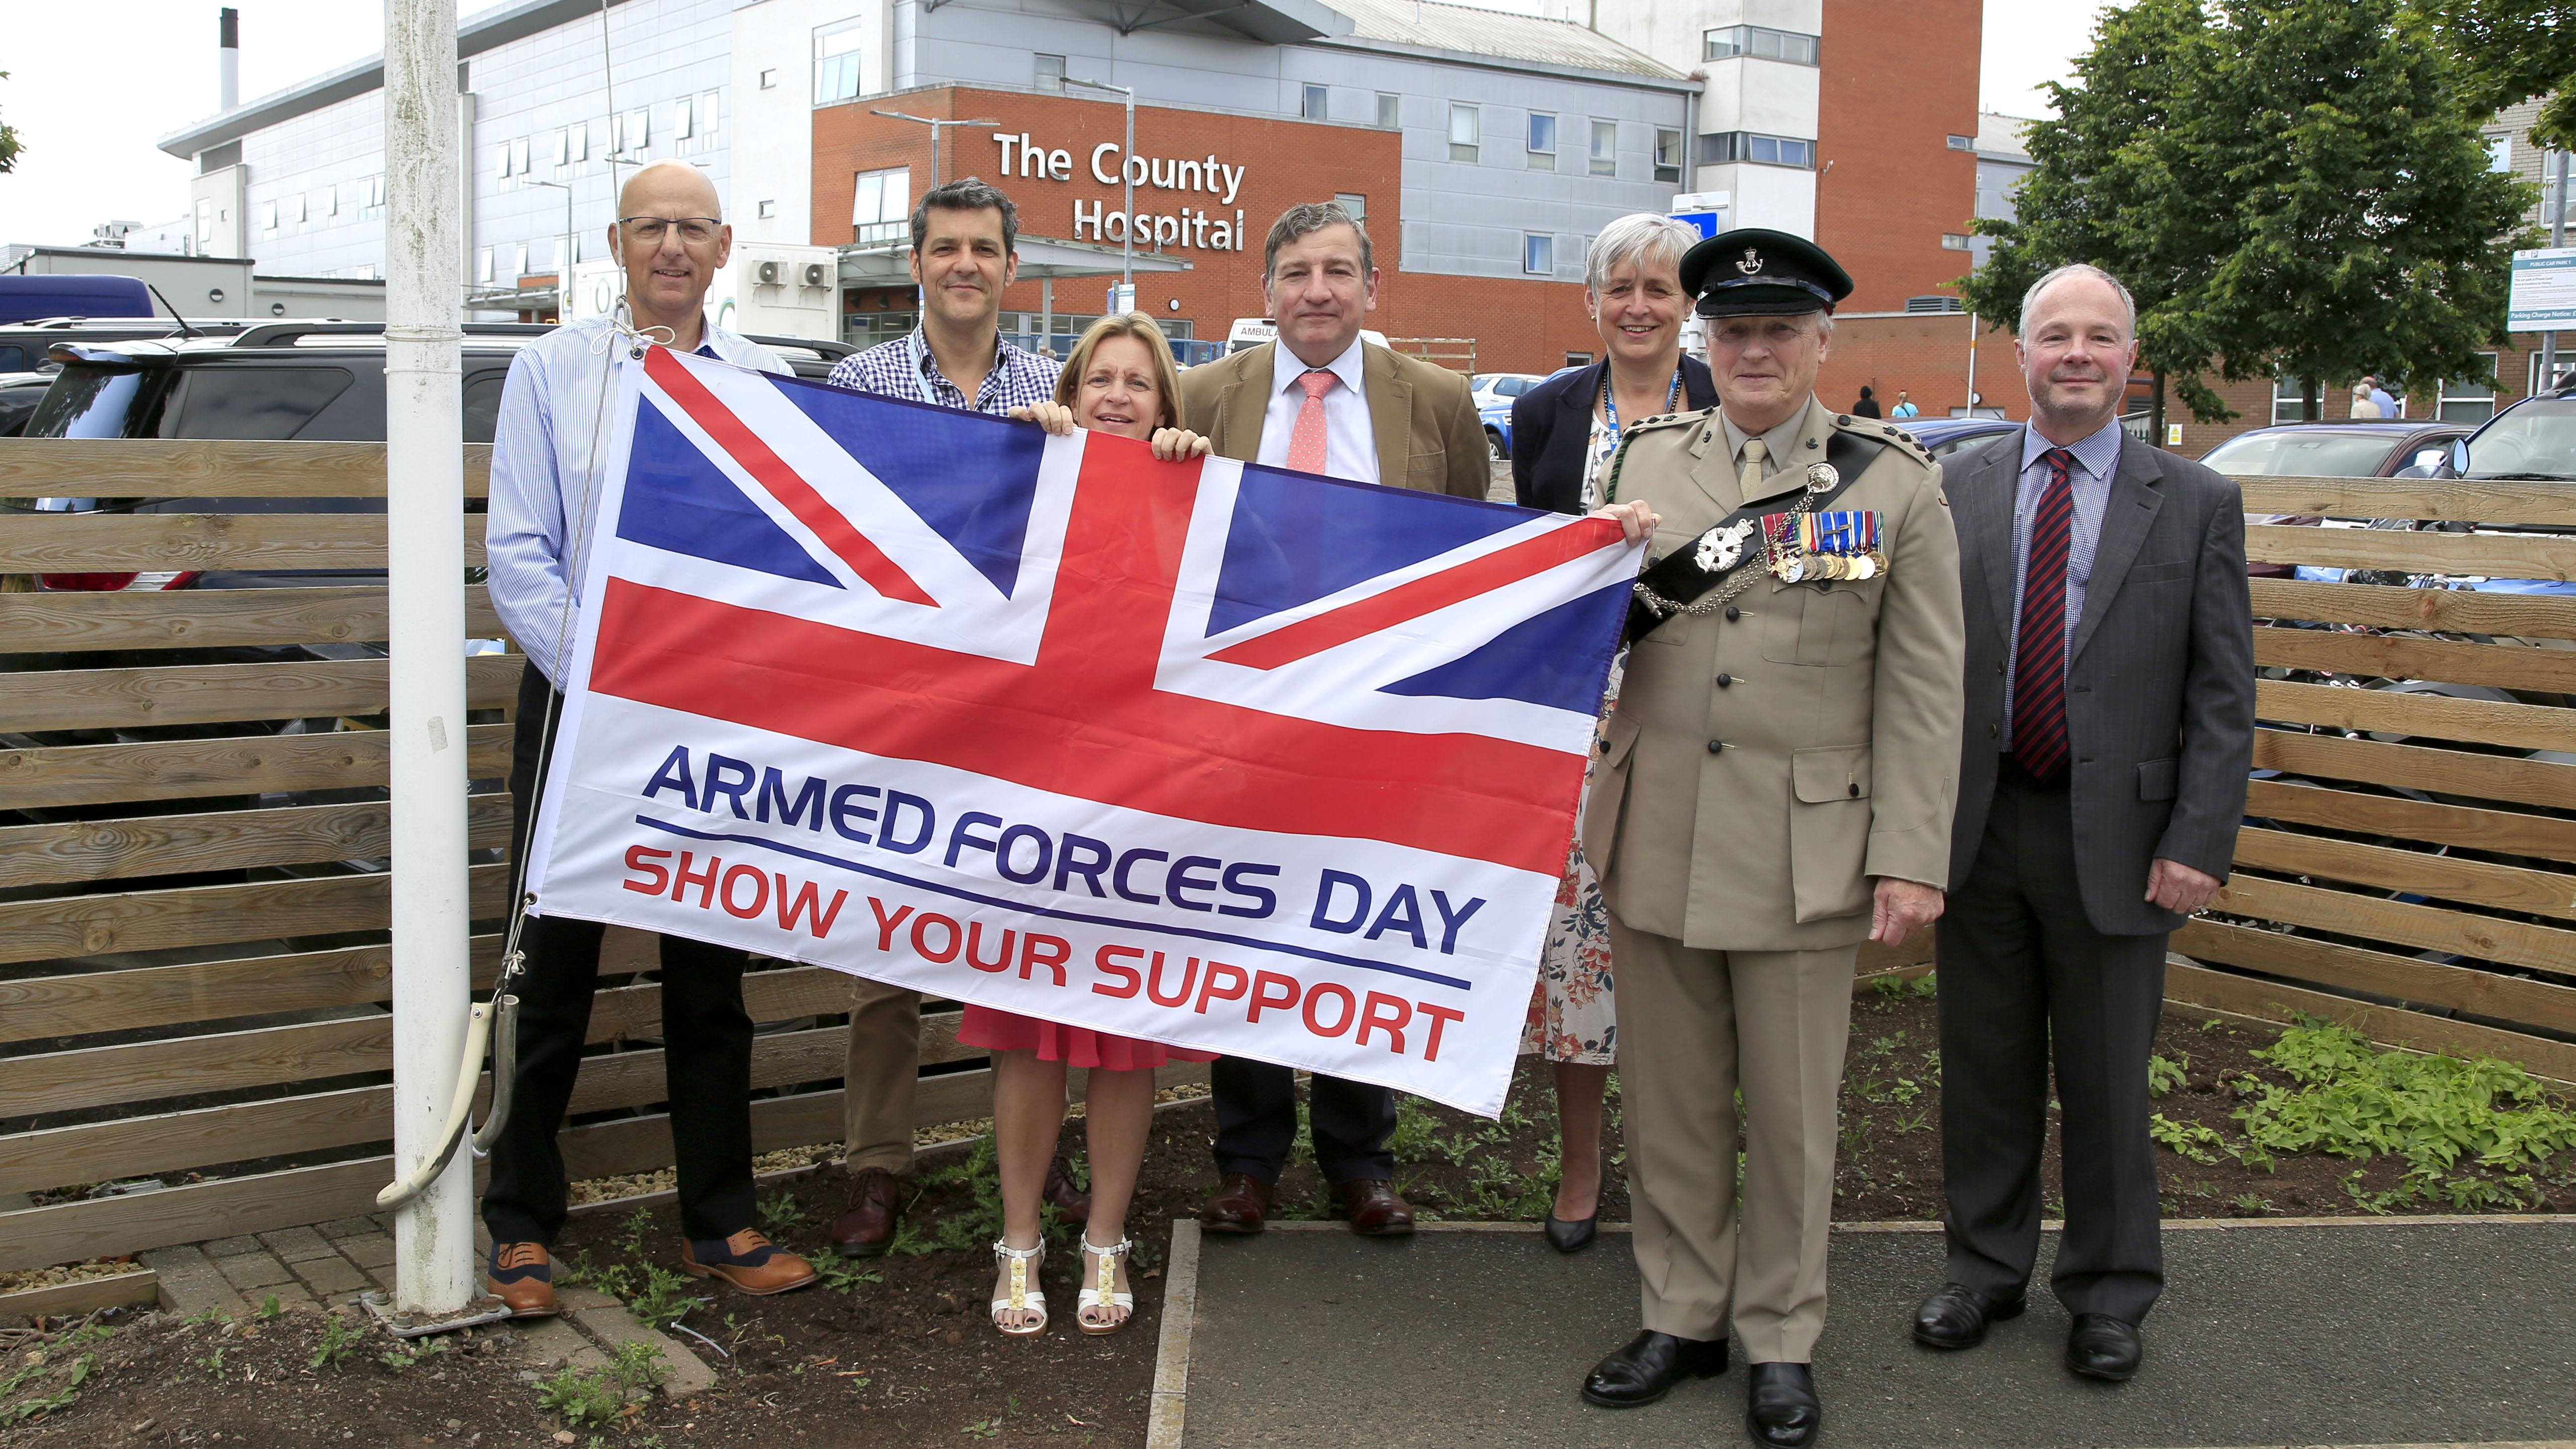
x=2510, y=51
x=9, y=147
x=2289, y=187
x=2116, y=185
x=2373, y=235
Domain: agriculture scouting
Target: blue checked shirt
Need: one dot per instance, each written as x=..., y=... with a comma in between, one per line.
x=904, y=368
x=2096, y=458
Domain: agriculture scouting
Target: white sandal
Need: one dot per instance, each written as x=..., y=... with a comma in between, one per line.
x=1099, y=1294
x=1025, y=1293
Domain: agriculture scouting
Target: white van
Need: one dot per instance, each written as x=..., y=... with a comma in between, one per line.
x=1251, y=332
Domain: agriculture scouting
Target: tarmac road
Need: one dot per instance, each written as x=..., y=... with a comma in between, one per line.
x=2375, y=1333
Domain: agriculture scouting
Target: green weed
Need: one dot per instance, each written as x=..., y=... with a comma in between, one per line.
x=2189, y=1139
x=781, y=1212
x=403, y=1356
x=269, y=1308
x=599, y=1397
x=2164, y=1076
x=664, y=1299
x=836, y=1274
x=57, y=1400
x=339, y=1340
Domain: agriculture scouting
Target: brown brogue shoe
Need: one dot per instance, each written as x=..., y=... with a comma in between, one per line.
x=1374, y=1207
x=1239, y=1204
x=748, y=1261
x=866, y=1223
x=1070, y=1202
x=522, y=1277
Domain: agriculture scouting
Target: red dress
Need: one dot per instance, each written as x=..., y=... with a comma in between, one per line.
x=1075, y=1046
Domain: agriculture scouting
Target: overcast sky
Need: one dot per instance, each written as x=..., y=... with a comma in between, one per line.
x=90, y=99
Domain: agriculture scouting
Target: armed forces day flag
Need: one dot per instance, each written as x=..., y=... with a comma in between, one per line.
x=1212, y=754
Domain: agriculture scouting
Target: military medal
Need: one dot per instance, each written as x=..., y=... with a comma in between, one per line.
x=1822, y=478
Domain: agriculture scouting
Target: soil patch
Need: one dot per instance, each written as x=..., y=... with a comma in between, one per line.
x=899, y=1350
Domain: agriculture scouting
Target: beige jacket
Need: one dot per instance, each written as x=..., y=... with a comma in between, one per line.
x=1424, y=417
x=1760, y=770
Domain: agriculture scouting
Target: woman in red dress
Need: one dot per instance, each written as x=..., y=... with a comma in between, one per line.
x=1119, y=380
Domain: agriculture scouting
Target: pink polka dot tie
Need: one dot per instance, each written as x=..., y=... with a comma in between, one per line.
x=1306, y=443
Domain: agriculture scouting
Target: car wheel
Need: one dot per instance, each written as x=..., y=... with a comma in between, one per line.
x=1494, y=448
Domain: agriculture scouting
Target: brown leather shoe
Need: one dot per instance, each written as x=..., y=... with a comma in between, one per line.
x=1374, y=1208
x=748, y=1261
x=866, y=1223
x=1071, y=1202
x=1238, y=1205
x=522, y=1277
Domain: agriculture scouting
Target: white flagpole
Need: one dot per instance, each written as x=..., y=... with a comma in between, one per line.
x=425, y=532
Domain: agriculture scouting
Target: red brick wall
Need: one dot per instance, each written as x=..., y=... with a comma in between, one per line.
x=1925, y=354
x=1518, y=326
x=1898, y=80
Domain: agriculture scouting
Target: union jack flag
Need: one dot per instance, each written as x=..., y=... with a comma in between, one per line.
x=1319, y=735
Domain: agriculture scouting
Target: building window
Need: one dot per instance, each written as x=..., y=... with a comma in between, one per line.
x=769, y=80
x=881, y=211
x=766, y=210
x=1355, y=204
x=2500, y=152
x=330, y=201
x=1466, y=132
x=580, y=142
x=1760, y=149
x=1542, y=141
x=2469, y=400
x=303, y=208
x=1668, y=154
x=1963, y=143
x=836, y=61
x=639, y=128
x=1389, y=111
x=1954, y=241
x=521, y=269
x=483, y=266
x=1760, y=44
x=519, y=156
x=1049, y=73
x=503, y=171
x=1538, y=254
x=1605, y=148
x=268, y=218
x=563, y=147
x=680, y=119
x=1315, y=103
x=2538, y=384
x=375, y=205
x=707, y=115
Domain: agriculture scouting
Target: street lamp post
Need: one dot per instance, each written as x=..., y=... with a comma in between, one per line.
x=563, y=263
x=1127, y=190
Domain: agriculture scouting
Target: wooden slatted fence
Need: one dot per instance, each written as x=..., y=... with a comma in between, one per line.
x=193, y=975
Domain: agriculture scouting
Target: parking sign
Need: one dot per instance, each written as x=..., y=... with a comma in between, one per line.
x=2544, y=290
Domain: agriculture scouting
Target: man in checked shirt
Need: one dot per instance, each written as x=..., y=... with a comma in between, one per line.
x=965, y=240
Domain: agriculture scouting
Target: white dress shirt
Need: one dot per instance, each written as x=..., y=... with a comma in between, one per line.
x=553, y=415
x=1350, y=444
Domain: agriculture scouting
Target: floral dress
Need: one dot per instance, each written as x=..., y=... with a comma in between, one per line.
x=1572, y=1016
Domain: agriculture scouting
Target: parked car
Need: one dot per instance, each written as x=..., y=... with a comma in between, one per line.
x=2534, y=439
x=1943, y=436
x=24, y=345
x=19, y=394
x=1502, y=387
x=2326, y=450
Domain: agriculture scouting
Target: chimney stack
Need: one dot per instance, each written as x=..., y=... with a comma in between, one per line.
x=228, y=60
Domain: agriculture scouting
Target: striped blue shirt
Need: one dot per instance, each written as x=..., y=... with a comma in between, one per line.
x=2096, y=458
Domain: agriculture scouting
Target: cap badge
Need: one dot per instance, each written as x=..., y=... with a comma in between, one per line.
x=1752, y=262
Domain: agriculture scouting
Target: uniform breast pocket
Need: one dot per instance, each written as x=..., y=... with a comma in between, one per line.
x=1812, y=624
x=1427, y=472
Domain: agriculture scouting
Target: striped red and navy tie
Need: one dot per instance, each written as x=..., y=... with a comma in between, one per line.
x=2039, y=657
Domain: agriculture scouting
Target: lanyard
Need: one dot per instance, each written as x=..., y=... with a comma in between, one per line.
x=1610, y=405
x=921, y=376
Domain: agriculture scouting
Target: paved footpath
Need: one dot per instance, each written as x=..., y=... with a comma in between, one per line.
x=2384, y=1332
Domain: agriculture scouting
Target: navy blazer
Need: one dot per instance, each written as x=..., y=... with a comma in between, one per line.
x=1552, y=421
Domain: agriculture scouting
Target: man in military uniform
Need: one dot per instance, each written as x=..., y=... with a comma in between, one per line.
x=1775, y=787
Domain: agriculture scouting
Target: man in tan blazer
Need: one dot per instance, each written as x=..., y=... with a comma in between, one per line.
x=1775, y=787
x=1388, y=418
x=1320, y=400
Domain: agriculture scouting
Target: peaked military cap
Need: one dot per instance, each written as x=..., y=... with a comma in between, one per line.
x=1757, y=272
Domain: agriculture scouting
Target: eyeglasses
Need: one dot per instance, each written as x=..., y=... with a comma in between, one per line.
x=696, y=231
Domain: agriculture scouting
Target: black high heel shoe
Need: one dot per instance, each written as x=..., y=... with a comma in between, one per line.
x=1572, y=1235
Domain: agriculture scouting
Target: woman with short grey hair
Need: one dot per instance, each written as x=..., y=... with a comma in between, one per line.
x=1564, y=432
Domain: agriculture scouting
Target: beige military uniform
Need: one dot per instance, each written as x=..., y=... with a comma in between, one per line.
x=1765, y=763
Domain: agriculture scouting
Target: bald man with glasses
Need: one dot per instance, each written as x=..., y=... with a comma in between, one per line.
x=671, y=238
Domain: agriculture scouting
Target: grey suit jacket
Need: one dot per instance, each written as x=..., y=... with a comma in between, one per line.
x=2159, y=679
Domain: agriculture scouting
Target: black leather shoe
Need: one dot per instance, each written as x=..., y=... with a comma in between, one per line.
x=2102, y=1347
x=1649, y=1366
x=1958, y=1316
x=1572, y=1235
x=1782, y=1408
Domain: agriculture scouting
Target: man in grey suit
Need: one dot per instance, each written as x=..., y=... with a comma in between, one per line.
x=2109, y=725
